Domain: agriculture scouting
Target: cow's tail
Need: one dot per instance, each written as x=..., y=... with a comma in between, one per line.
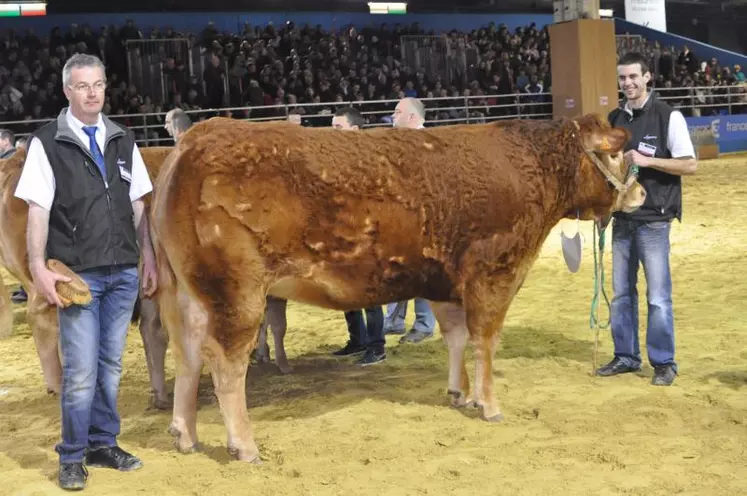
x=166, y=293
x=136, y=312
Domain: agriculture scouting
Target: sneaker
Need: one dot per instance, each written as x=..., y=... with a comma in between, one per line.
x=371, y=357
x=615, y=367
x=73, y=476
x=113, y=457
x=392, y=331
x=19, y=296
x=415, y=336
x=663, y=375
x=350, y=349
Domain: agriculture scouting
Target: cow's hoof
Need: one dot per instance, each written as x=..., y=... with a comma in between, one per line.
x=161, y=403
x=182, y=446
x=458, y=399
x=498, y=417
x=285, y=368
x=251, y=457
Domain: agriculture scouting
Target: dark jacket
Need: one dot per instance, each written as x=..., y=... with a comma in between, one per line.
x=649, y=128
x=91, y=223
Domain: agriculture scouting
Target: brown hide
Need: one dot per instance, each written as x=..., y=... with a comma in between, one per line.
x=352, y=220
x=14, y=257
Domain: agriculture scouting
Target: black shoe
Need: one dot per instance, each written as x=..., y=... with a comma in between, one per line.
x=73, y=476
x=19, y=296
x=350, y=349
x=616, y=366
x=371, y=357
x=397, y=332
x=114, y=457
x=663, y=375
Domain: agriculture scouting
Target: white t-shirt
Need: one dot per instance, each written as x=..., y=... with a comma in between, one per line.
x=678, y=137
x=37, y=182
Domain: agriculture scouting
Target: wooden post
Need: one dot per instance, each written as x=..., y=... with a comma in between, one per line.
x=583, y=55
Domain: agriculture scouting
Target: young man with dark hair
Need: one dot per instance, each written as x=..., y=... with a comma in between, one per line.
x=365, y=337
x=661, y=147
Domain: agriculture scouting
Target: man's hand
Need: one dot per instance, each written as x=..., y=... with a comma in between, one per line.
x=633, y=157
x=150, y=274
x=45, y=282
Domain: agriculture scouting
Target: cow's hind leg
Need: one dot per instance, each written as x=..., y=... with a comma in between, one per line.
x=453, y=324
x=186, y=322
x=236, y=328
x=276, y=316
x=261, y=352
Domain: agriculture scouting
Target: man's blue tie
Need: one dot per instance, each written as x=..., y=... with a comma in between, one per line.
x=95, y=150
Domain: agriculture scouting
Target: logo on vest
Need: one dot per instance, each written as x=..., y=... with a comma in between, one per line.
x=125, y=174
x=649, y=137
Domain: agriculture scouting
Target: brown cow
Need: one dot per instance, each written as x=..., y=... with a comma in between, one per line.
x=42, y=316
x=454, y=214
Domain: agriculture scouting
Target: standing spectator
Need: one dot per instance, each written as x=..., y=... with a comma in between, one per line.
x=410, y=113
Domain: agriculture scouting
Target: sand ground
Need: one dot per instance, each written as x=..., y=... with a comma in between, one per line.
x=331, y=428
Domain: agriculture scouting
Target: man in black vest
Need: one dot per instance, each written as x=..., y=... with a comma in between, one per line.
x=662, y=149
x=84, y=181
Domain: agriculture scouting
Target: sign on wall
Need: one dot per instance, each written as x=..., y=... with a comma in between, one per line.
x=729, y=131
x=649, y=13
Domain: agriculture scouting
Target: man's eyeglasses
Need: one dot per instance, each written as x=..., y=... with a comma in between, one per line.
x=97, y=87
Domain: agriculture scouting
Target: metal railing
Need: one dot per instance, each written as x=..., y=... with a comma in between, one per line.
x=149, y=127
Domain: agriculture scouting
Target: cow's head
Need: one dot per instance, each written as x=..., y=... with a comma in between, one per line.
x=607, y=184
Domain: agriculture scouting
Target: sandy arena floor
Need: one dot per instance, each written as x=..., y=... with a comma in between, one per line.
x=331, y=428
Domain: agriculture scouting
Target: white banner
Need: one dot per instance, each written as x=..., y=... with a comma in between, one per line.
x=649, y=13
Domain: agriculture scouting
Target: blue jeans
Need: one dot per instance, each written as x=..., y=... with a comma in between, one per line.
x=635, y=241
x=425, y=321
x=92, y=339
x=369, y=333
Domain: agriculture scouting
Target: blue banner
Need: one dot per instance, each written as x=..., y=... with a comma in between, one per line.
x=729, y=131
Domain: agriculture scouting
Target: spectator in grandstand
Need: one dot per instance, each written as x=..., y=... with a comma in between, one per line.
x=7, y=143
x=82, y=156
x=364, y=337
x=410, y=113
x=177, y=123
x=662, y=148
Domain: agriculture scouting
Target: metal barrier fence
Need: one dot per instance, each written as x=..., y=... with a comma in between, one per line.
x=149, y=128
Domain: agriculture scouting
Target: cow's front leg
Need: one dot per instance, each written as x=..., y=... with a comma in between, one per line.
x=453, y=325
x=155, y=342
x=486, y=302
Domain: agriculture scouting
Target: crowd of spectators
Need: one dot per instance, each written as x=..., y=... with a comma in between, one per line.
x=289, y=66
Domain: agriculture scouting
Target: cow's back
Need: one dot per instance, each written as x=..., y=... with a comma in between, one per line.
x=393, y=208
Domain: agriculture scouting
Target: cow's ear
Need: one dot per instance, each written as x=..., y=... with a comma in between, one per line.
x=611, y=140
